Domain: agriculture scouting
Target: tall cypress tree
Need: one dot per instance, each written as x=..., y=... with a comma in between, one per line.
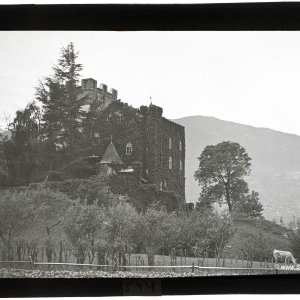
x=61, y=107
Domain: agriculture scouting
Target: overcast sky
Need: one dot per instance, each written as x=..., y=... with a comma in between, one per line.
x=246, y=77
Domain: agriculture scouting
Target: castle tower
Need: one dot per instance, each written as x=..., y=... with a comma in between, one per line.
x=110, y=160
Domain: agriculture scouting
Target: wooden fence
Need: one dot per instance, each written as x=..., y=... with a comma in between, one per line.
x=112, y=268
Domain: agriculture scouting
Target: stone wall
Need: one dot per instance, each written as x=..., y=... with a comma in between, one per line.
x=149, y=134
x=100, y=96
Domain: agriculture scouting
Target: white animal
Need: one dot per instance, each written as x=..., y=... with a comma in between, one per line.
x=286, y=255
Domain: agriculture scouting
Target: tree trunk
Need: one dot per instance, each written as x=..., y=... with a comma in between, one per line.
x=228, y=200
x=60, y=259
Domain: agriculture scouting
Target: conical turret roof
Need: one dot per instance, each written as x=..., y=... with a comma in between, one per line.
x=111, y=155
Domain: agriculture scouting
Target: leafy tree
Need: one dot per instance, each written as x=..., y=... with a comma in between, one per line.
x=3, y=163
x=250, y=205
x=205, y=203
x=254, y=245
x=61, y=106
x=120, y=227
x=209, y=232
x=82, y=224
x=151, y=230
x=16, y=216
x=50, y=207
x=22, y=152
x=221, y=173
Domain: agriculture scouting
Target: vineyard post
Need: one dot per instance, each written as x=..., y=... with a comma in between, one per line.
x=30, y=262
x=193, y=267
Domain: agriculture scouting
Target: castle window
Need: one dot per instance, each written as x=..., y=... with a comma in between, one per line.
x=128, y=149
x=96, y=137
x=109, y=119
x=170, y=143
x=120, y=119
x=161, y=186
x=180, y=165
x=180, y=145
x=170, y=163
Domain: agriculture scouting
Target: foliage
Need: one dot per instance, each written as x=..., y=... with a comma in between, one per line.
x=50, y=207
x=58, y=95
x=82, y=224
x=144, y=196
x=249, y=205
x=16, y=215
x=55, y=175
x=254, y=245
x=210, y=232
x=22, y=153
x=79, y=168
x=295, y=244
x=152, y=228
x=221, y=171
x=74, y=188
x=120, y=227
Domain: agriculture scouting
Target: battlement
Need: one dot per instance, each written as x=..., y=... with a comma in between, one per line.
x=90, y=83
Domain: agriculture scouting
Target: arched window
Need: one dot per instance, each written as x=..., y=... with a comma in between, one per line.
x=180, y=145
x=109, y=119
x=128, y=149
x=120, y=118
x=180, y=165
x=170, y=163
x=170, y=143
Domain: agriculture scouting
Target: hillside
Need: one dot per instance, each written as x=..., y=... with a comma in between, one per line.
x=275, y=161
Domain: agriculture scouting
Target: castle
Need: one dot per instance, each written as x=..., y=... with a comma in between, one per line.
x=138, y=140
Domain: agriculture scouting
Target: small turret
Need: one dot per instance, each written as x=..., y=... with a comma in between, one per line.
x=103, y=87
x=155, y=111
x=89, y=83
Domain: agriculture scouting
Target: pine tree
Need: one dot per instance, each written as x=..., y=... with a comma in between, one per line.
x=61, y=107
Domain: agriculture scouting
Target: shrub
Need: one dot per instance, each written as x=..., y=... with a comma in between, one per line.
x=80, y=169
x=55, y=175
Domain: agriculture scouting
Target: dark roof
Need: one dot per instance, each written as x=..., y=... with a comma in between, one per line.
x=111, y=155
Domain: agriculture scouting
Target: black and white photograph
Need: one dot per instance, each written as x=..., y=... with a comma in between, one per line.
x=149, y=154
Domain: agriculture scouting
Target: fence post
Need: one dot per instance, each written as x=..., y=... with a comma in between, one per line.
x=193, y=267
x=30, y=262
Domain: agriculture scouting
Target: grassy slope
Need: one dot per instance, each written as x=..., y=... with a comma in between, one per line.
x=276, y=235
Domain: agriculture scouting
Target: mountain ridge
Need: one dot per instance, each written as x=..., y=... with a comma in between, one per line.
x=177, y=120
x=275, y=160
